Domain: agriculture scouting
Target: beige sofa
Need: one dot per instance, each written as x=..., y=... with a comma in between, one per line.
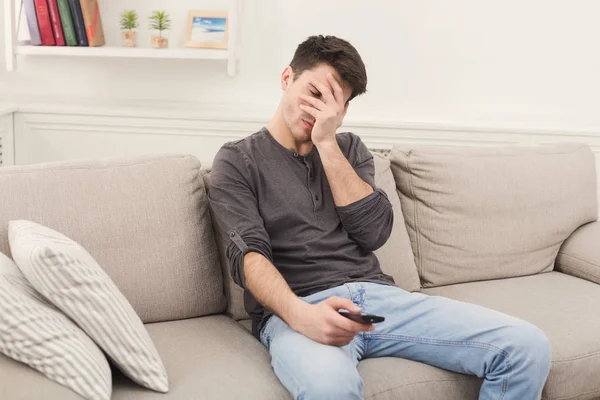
x=511, y=229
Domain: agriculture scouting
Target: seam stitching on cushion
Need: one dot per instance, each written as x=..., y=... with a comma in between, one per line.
x=578, y=258
x=420, y=383
x=571, y=397
x=474, y=155
x=577, y=357
x=97, y=167
x=415, y=218
x=577, y=272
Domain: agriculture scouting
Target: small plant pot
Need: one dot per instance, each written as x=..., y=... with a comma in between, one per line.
x=160, y=40
x=129, y=38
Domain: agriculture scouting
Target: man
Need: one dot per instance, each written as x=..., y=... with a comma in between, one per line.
x=302, y=216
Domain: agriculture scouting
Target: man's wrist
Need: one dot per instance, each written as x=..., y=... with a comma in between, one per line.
x=327, y=146
x=295, y=309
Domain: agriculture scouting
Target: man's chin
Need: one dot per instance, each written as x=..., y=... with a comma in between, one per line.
x=304, y=135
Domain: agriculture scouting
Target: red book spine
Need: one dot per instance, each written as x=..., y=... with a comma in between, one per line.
x=59, y=37
x=43, y=17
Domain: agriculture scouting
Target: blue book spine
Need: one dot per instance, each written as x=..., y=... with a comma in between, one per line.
x=32, y=24
x=78, y=23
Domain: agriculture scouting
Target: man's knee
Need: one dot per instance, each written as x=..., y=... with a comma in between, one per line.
x=337, y=383
x=532, y=349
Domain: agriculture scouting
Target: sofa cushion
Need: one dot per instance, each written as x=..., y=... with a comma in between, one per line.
x=396, y=256
x=391, y=378
x=208, y=358
x=486, y=213
x=20, y=381
x=65, y=274
x=580, y=253
x=216, y=358
x=144, y=219
x=565, y=308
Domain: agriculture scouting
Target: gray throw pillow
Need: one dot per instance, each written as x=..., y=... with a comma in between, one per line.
x=34, y=332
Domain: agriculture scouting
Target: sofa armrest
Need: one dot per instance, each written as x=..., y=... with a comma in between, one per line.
x=579, y=255
x=19, y=381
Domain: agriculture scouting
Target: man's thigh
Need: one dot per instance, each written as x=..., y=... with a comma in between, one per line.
x=309, y=369
x=439, y=331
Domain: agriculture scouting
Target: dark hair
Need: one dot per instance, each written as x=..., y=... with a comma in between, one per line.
x=336, y=52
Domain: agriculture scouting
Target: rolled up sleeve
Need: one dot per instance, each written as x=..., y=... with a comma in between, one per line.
x=368, y=221
x=234, y=209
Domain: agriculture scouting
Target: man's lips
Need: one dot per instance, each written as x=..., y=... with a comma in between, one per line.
x=308, y=124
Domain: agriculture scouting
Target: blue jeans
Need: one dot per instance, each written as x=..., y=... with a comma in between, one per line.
x=512, y=355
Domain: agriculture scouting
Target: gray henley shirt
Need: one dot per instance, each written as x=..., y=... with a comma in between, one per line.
x=270, y=200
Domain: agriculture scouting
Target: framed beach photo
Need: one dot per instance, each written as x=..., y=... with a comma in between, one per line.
x=207, y=29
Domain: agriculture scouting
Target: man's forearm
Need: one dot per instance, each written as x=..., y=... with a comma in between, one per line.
x=346, y=186
x=270, y=288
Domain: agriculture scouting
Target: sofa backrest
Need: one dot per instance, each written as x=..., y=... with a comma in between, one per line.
x=144, y=219
x=395, y=257
x=486, y=213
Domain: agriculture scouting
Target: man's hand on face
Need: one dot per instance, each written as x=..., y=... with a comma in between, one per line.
x=328, y=110
x=322, y=323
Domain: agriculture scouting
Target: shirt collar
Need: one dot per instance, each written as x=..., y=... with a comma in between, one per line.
x=291, y=153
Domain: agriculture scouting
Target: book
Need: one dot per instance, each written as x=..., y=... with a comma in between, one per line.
x=66, y=20
x=93, y=22
x=78, y=23
x=22, y=27
x=32, y=24
x=59, y=38
x=43, y=17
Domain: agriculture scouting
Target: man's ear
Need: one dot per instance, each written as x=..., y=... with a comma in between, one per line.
x=346, y=108
x=287, y=77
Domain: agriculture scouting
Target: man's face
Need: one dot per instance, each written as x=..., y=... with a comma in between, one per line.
x=298, y=122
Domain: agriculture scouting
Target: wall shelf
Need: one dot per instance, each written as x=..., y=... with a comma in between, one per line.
x=14, y=49
x=123, y=52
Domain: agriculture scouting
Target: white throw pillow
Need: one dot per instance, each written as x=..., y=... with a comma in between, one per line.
x=34, y=332
x=69, y=277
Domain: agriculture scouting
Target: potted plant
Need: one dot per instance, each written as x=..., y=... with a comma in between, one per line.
x=160, y=23
x=129, y=22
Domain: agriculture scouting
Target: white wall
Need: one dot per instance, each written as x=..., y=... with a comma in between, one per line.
x=510, y=63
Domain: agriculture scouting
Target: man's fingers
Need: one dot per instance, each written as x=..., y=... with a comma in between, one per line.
x=310, y=110
x=325, y=90
x=342, y=322
x=316, y=103
x=338, y=93
x=351, y=326
x=341, y=341
x=339, y=335
x=340, y=302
